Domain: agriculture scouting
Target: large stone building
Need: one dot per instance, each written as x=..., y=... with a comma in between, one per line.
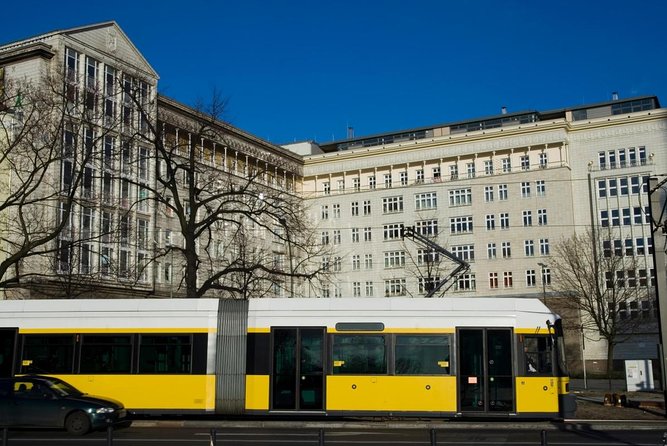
x=498, y=192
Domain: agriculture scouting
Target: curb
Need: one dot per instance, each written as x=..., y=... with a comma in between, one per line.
x=567, y=425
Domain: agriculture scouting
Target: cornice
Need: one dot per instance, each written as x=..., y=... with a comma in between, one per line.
x=449, y=146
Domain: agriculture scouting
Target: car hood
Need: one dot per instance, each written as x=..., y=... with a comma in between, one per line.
x=102, y=401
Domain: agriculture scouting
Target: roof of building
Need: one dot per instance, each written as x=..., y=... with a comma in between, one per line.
x=614, y=106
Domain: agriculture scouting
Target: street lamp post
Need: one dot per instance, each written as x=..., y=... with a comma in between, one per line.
x=544, y=283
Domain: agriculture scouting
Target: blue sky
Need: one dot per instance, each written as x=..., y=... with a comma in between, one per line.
x=300, y=70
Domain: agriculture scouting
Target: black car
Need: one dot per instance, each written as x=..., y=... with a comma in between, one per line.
x=44, y=401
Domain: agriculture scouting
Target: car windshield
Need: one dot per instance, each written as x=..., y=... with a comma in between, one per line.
x=61, y=388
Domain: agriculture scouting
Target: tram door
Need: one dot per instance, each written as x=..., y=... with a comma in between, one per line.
x=297, y=377
x=485, y=372
x=7, y=343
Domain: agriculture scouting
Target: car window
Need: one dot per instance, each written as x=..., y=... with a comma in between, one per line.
x=61, y=388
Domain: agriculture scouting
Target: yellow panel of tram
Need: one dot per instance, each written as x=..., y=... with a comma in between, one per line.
x=391, y=393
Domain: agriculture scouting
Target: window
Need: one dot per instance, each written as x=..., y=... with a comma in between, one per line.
x=531, y=278
x=502, y=192
x=525, y=162
x=426, y=256
x=368, y=261
x=544, y=246
x=488, y=167
x=341, y=185
x=466, y=282
x=634, y=185
x=371, y=182
x=623, y=187
x=47, y=354
x=71, y=74
x=427, y=200
x=394, y=287
x=613, y=187
x=546, y=276
x=324, y=213
x=404, y=178
x=427, y=227
x=454, y=172
x=359, y=354
x=165, y=354
x=542, y=217
x=470, y=168
x=356, y=289
x=602, y=188
x=325, y=237
x=615, y=217
x=369, y=289
x=336, y=210
x=529, y=248
x=537, y=355
x=460, y=197
x=488, y=193
x=422, y=355
x=464, y=252
x=326, y=188
x=368, y=234
x=354, y=206
x=490, y=222
x=504, y=220
x=367, y=207
x=544, y=161
x=356, y=184
x=355, y=235
x=507, y=279
x=419, y=176
x=337, y=264
x=604, y=219
x=436, y=174
x=356, y=262
x=493, y=281
x=540, y=187
x=527, y=218
x=336, y=237
x=392, y=231
x=106, y=354
x=506, y=249
x=394, y=259
x=625, y=212
x=460, y=225
x=387, y=180
x=426, y=284
x=392, y=204
x=525, y=189
x=506, y=165
x=491, y=251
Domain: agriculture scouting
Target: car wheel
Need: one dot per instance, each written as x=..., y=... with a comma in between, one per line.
x=77, y=423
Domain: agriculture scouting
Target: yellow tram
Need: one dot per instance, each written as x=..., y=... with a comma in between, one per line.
x=448, y=357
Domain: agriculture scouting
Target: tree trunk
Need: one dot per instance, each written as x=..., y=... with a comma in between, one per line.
x=610, y=361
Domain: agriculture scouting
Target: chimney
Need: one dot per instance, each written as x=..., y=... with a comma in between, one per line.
x=350, y=132
x=614, y=96
x=503, y=110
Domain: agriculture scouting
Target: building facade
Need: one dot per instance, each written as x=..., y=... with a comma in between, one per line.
x=498, y=192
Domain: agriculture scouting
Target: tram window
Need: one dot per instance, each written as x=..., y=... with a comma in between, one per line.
x=106, y=354
x=359, y=354
x=47, y=354
x=422, y=355
x=165, y=354
x=538, y=355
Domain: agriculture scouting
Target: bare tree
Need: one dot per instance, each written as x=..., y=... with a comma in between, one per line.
x=46, y=165
x=602, y=281
x=226, y=204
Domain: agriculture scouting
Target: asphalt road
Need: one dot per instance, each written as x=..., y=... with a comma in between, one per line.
x=574, y=435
